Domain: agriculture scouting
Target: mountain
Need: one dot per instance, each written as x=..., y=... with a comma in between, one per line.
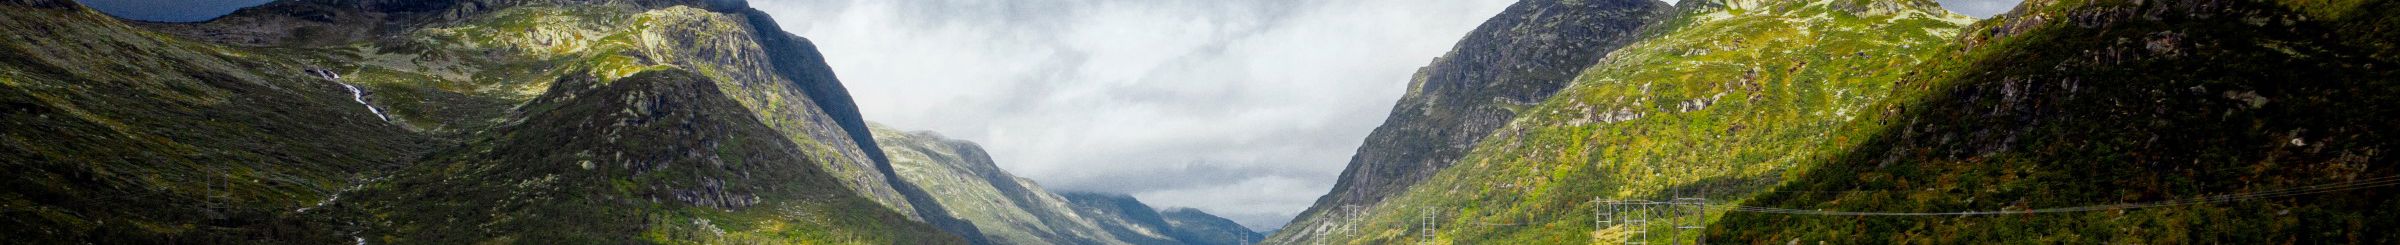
x=2235, y=121
x=1195, y=227
x=1720, y=93
x=1518, y=58
x=119, y=135
x=1013, y=210
x=1845, y=121
x=1007, y=209
x=441, y=122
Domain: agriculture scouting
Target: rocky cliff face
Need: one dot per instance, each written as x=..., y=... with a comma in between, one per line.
x=1726, y=93
x=1518, y=58
x=290, y=122
x=2136, y=121
x=657, y=156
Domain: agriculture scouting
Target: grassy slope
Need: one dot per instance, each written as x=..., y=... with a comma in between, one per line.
x=1519, y=57
x=519, y=47
x=119, y=135
x=2075, y=103
x=660, y=156
x=1719, y=96
x=456, y=76
x=451, y=82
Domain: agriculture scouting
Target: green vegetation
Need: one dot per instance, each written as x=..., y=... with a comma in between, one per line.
x=116, y=135
x=1530, y=51
x=218, y=134
x=682, y=163
x=1722, y=95
x=2129, y=103
x=1821, y=106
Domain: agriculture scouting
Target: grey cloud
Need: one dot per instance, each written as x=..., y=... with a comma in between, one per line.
x=1246, y=108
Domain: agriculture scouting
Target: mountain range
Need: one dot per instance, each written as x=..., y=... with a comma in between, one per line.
x=467, y=121
x=1554, y=122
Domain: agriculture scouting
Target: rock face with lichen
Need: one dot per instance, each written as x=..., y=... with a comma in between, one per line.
x=1518, y=58
x=2158, y=121
x=442, y=122
x=1718, y=93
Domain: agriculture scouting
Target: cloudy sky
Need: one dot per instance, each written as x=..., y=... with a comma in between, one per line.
x=1247, y=109
x=1242, y=108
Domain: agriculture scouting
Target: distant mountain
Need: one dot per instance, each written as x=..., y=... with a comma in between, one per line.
x=1808, y=121
x=1514, y=60
x=533, y=121
x=1012, y=210
x=1129, y=219
x=1195, y=227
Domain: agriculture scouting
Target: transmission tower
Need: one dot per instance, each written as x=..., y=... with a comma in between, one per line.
x=1426, y=233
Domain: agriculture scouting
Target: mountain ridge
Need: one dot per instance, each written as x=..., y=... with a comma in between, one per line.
x=1014, y=210
x=446, y=87
x=1521, y=56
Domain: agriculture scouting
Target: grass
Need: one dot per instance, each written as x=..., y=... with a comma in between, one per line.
x=115, y=130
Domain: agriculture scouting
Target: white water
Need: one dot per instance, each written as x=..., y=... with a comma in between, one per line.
x=362, y=100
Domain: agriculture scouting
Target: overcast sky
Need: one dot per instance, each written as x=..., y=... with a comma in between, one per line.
x=1242, y=108
x=1246, y=109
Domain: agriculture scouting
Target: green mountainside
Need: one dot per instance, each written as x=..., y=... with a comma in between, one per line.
x=1723, y=92
x=702, y=122
x=1012, y=210
x=1517, y=58
x=669, y=158
x=1792, y=118
x=458, y=121
x=118, y=135
x=2078, y=103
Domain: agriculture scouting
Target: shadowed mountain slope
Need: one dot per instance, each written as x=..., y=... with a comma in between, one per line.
x=322, y=121
x=2065, y=104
